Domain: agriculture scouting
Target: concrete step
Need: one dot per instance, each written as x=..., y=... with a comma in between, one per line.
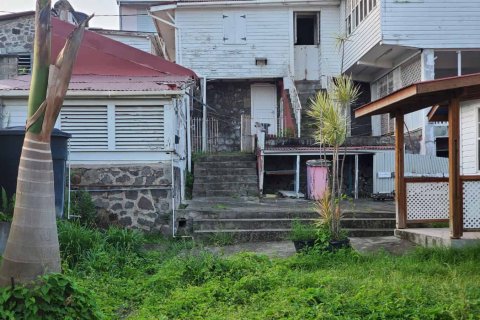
x=257, y=235
x=285, y=223
x=224, y=171
x=203, y=179
x=225, y=193
x=224, y=164
x=226, y=157
x=224, y=211
x=224, y=185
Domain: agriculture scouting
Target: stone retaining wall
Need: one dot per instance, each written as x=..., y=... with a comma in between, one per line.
x=131, y=196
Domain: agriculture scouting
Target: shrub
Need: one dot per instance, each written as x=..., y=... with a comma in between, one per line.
x=6, y=206
x=124, y=239
x=83, y=208
x=76, y=241
x=302, y=231
x=54, y=296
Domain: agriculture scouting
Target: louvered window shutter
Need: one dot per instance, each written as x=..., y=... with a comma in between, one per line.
x=88, y=126
x=139, y=127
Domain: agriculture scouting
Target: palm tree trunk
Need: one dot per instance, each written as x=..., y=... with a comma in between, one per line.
x=32, y=247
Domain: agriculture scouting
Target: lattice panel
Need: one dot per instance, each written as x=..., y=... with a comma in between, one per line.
x=471, y=204
x=411, y=72
x=427, y=200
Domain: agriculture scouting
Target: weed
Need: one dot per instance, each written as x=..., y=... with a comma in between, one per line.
x=221, y=239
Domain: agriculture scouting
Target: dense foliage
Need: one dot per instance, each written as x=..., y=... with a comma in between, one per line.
x=180, y=280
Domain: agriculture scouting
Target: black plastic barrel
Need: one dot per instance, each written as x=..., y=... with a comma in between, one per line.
x=11, y=141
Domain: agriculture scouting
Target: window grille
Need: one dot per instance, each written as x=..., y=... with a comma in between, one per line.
x=139, y=127
x=24, y=64
x=88, y=126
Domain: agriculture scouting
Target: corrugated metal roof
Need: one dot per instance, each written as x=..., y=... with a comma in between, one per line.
x=104, y=64
x=105, y=83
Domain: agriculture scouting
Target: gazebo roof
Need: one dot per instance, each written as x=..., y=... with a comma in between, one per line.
x=424, y=94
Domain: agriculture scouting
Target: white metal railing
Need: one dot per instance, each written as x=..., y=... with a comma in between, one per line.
x=295, y=100
x=427, y=199
x=212, y=135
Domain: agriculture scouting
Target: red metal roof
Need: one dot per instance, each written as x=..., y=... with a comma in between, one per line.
x=104, y=64
x=106, y=83
x=100, y=55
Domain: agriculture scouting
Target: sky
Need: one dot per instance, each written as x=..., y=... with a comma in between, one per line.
x=99, y=7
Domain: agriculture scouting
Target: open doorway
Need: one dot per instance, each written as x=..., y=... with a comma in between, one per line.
x=307, y=28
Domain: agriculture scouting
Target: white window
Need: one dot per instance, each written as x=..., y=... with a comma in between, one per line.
x=385, y=85
x=234, y=27
x=356, y=12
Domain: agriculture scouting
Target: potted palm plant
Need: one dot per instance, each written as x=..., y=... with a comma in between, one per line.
x=330, y=109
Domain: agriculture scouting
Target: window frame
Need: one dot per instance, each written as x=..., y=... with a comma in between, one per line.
x=357, y=11
x=316, y=25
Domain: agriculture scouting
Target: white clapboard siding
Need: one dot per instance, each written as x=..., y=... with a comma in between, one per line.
x=364, y=37
x=141, y=43
x=139, y=127
x=431, y=23
x=257, y=32
x=469, y=137
x=87, y=125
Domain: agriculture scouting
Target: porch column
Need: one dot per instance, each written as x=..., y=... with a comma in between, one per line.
x=454, y=183
x=400, y=188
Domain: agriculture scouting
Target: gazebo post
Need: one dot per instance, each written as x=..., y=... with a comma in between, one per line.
x=400, y=188
x=454, y=183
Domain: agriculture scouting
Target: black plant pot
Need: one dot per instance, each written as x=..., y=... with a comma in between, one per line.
x=303, y=244
x=334, y=245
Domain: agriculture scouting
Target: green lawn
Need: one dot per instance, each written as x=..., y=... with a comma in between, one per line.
x=178, y=282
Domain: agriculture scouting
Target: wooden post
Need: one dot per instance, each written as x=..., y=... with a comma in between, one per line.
x=356, y=177
x=297, y=176
x=454, y=183
x=400, y=188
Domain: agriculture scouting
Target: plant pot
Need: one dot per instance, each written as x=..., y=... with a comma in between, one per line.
x=303, y=244
x=334, y=245
x=4, y=231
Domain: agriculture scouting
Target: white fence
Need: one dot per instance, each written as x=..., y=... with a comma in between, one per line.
x=471, y=204
x=212, y=135
x=427, y=199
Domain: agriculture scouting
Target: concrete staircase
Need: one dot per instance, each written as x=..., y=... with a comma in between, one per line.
x=253, y=220
x=225, y=176
x=306, y=90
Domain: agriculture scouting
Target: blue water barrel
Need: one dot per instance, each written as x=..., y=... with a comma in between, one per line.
x=11, y=141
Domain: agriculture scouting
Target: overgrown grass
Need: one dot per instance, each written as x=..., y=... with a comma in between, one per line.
x=180, y=281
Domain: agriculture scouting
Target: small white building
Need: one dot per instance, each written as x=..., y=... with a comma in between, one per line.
x=128, y=114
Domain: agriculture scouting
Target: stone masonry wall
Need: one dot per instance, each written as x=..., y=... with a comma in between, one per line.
x=229, y=100
x=16, y=36
x=131, y=196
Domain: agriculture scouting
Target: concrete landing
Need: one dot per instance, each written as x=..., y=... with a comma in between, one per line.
x=437, y=237
x=392, y=245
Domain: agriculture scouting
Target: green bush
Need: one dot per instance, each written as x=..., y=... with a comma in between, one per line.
x=7, y=206
x=82, y=208
x=76, y=241
x=124, y=239
x=302, y=231
x=53, y=296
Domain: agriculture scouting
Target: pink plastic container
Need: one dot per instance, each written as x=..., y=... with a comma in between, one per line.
x=317, y=178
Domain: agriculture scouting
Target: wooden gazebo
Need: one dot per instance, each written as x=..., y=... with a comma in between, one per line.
x=460, y=192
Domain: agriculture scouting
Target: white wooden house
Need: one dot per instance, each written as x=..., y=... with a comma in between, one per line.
x=392, y=44
x=253, y=56
x=455, y=198
x=127, y=111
